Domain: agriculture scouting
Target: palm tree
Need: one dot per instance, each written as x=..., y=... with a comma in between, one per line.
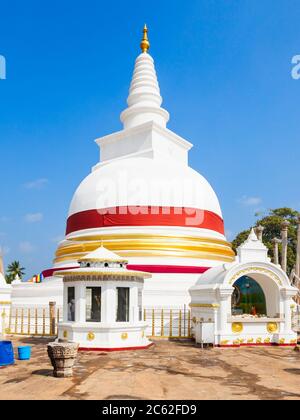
x=14, y=269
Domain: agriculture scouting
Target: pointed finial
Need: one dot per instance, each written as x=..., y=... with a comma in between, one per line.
x=145, y=44
x=252, y=236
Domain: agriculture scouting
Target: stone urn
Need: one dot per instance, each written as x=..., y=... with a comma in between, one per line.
x=62, y=357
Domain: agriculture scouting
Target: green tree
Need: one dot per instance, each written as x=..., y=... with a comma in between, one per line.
x=14, y=269
x=272, y=224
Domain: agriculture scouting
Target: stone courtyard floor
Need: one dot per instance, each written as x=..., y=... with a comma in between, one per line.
x=168, y=370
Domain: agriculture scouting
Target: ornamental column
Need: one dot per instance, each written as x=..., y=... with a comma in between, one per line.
x=259, y=230
x=225, y=308
x=297, y=271
x=284, y=238
x=108, y=302
x=288, y=294
x=80, y=303
x=276, y=242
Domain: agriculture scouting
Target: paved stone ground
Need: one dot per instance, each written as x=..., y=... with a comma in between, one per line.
x=169, y=370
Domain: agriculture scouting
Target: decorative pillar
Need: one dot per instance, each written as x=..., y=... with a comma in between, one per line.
x=287, y=315
x=108, y=303
x=259, y=230
x=287, y=295
x=80, y=303
x=52, y=311
x=65, y=304
x=284, y=238
x=134, y=304
x=225, y=308
x=297, y=270
x=223, y=314
x=276, y=242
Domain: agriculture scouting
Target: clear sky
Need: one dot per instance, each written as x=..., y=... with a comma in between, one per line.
x=224, y=68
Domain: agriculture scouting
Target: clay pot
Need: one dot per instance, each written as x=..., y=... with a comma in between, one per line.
x=62, y=357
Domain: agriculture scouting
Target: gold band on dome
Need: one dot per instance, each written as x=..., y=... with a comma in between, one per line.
x=129, y=246
x=201, y=256
x=136, y=254
x=135, y=236
x=149, y=246
x=141, y=240
x=128, y=250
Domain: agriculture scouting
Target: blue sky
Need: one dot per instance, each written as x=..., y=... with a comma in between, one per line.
x=225, y=73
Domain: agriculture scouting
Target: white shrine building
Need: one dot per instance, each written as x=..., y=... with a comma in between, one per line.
x=246, y=302
x=103, y=304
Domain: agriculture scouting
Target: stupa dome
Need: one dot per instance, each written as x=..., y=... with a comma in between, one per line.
x=142, y=182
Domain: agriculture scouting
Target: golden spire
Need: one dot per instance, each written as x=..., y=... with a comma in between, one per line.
x=145, y=44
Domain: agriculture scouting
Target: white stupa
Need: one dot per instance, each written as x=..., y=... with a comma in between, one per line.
x=145, y=202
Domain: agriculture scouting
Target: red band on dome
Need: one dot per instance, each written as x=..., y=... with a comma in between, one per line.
x=153, y=269
x=168, y=269
x=145, y=216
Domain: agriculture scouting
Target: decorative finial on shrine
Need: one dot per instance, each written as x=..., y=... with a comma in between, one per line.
x=145, y=44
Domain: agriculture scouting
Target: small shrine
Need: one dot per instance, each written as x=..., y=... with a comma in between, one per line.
x=103, y=304
x=247, y=302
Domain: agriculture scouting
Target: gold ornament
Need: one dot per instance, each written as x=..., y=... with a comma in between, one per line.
x=282, y=341
x=124, y=336
x=259, y=340
x=204, y=305
x=91, y=336
x=145, y=44
x=237, y=327
x=272, y=327
x=65, y=334
x=267, y=341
